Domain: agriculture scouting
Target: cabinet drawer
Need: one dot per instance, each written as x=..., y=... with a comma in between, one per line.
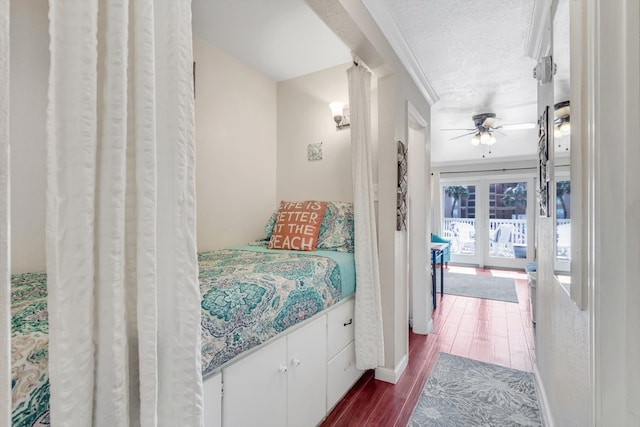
x=340, y=327
x=341, y=375
x=212, y=392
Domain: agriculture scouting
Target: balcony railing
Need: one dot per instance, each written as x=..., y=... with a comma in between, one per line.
x=513, y=246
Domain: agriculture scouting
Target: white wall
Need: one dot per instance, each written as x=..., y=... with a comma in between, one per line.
x=304, y=117
x=235, y=149
x=29, y=81
x=354, y=24
x=394, y=263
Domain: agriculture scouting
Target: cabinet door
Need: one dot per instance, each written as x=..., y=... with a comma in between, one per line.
x=213, y=400
x=307, y=397
x=255, y=388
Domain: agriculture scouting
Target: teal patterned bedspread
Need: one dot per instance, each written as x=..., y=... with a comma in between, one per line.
x=29, y=350
x=249, y=296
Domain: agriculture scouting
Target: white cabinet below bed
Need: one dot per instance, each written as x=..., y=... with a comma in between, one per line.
x=212, y=389
x=341, y=354
x=281, y=384
x=340, y=327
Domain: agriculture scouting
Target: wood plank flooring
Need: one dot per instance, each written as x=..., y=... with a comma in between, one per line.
x=486, y=330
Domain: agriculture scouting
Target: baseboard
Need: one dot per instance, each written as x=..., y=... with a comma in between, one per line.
x=545, y=410
x=392, y=375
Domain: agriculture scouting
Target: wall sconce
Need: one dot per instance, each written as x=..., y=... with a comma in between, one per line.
x=340, y=114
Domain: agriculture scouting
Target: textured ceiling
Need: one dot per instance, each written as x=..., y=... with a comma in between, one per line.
x=473, y=54
x=282, y=38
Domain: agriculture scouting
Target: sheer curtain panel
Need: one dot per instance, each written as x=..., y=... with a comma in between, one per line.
x=5, y=240
x=124, y=302
x=368, y=309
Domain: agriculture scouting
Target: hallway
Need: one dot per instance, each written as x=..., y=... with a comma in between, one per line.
x=486, y=330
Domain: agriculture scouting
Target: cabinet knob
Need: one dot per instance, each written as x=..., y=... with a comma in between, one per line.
x=283, y=369
x=295, y=362
x=349, y=322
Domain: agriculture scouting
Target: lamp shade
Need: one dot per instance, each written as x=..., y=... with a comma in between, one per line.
x=475, y=140
x=485, y=138
x=336, y=108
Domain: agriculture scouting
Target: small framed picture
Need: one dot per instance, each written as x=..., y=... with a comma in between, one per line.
x=314, y=151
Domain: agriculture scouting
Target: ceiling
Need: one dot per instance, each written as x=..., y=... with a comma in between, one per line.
x=281, y=38
x=473, y=54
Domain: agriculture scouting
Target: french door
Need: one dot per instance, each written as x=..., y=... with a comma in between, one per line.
x=489, y=220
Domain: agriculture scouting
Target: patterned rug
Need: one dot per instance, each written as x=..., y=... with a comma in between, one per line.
x=487, y=287
x=465, y=392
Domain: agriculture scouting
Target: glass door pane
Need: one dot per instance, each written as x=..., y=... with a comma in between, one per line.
x=563, y=224
x=507, y=243
x=459, y=221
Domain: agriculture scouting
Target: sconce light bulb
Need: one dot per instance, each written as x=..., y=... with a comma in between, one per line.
x=336, y=108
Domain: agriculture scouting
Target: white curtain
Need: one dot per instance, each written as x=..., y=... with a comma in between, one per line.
x=436, y=204
x=121, y=255
x=5, y=238
x=368, y=310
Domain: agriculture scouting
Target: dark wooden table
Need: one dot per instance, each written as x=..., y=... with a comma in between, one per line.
x=437, y=253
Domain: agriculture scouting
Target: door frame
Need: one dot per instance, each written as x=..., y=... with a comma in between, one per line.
x=514, y=263
x=481, y=181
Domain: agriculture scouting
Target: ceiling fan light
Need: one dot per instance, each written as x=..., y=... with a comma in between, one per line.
x=485, y=138
x=557, y=133
x=475, y=140
x=565, y=128
x=492, y=140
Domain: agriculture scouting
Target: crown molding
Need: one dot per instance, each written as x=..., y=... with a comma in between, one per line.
x=537, y=29
x=391, y=31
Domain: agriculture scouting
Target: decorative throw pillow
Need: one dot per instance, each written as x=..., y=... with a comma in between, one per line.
x=297, y=226
x=336, y=230
x=268, y=228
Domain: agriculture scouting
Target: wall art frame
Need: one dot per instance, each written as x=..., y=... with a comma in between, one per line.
x=401, y=221
x=543, y=163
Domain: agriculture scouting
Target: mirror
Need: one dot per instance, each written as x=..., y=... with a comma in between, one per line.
x=562, y=144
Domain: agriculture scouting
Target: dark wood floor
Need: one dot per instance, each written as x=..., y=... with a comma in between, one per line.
x=491, y=331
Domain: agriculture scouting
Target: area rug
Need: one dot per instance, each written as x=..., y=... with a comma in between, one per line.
x=465, y=392
x=487, y=287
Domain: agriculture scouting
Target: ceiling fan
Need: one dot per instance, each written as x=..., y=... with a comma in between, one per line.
x=484, y=127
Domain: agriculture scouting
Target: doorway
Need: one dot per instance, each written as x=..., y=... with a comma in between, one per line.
x=489, y=220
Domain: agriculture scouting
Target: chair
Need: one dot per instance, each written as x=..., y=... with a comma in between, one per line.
x=446, y=253
x=465, y=236
x=502, y=245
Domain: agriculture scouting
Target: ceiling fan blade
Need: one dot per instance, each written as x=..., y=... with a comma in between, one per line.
x=488, y=122
x=468, y=130
x=463, y=135
x=518, y=126
x=497, y=130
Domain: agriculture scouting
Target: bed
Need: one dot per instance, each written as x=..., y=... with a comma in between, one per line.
x=250, y=294
x=29, y=350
